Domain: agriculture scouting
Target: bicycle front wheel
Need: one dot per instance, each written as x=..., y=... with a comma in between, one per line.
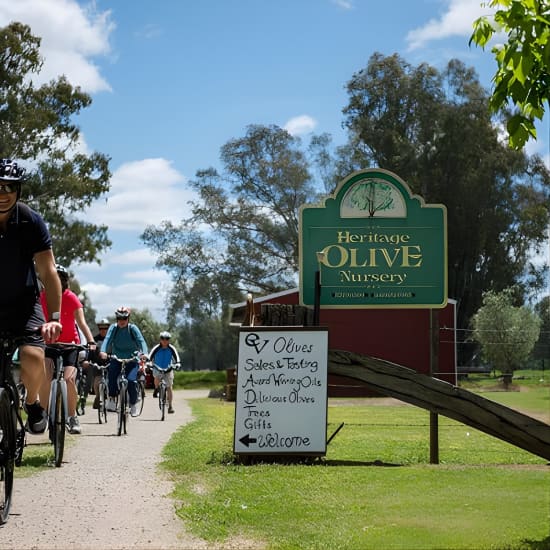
x=8, y=425
x=102, y=403
x=122, y=408
x=162, y=399
x=59, y=421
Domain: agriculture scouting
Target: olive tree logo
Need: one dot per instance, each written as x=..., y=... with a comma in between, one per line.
x=373, y=197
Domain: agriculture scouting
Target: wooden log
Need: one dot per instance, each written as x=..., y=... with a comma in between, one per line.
x=446, y=399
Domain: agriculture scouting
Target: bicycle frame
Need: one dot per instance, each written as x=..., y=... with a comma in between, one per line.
x=102, y=393
x=123, y=397
x=58, y=405
x=162, y=387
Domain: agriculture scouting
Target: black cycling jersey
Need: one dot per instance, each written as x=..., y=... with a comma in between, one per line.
x=26, y=234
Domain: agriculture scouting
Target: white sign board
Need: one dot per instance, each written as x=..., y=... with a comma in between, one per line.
x=281, y=399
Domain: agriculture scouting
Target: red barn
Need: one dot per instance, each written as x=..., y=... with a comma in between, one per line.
x=402, y=336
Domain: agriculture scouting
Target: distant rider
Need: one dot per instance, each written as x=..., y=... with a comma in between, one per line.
x=164, y=354
x=123, y=340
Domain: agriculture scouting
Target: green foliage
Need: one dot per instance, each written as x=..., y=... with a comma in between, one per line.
x=428, y=126
x=251, y=210
x=523, y=73
x=200, y=379
x=374, y=489
x=37, y=123
x=542, y=347
x=507, y=334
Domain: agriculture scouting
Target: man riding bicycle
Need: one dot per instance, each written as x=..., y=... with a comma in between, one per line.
x=164, y=354
x=25, y=242
x=123, y=340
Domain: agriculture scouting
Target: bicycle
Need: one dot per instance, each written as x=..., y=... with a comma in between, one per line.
x=12, y=428
x=123, y=405
x=140, y=392
x=163, y=386
x=102, y=393
x=58, y=409
x=81, y=389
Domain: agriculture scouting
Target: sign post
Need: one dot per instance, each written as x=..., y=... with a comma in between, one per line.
x=281, y=398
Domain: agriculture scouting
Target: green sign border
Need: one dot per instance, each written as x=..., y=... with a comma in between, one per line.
x=386, y=205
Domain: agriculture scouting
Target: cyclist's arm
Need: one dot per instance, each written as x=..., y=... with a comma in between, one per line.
x=45, y=264
x=141, y=341
x=175, y=355
x=83, y=326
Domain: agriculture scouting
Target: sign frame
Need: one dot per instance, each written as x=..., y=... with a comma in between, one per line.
x=281, y=403
x=373, y=244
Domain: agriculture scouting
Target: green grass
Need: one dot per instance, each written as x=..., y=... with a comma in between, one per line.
x=199, y=379
x=374, y=489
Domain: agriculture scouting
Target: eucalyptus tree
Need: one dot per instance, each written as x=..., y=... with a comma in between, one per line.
x=37, y=124
x=433, y=128
x=243, y=232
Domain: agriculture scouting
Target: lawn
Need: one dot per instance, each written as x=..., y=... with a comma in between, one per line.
x=374, y=488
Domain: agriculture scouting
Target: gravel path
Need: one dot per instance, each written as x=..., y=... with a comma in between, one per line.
x=108, y=493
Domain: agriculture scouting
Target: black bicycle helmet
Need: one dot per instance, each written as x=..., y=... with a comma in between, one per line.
x=9, y=171
x=61, y=271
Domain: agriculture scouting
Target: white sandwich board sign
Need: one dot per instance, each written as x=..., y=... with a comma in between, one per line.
x=281, y=397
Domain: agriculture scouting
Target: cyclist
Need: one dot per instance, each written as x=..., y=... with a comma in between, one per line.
x=72, y=319
x=102, y=327
x=162, y=355
x=25, y=242
x=123, y=339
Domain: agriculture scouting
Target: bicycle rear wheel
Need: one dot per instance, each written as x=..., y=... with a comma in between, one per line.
x=82, y=388
x=162, y=399
x=59, y=421
x=122, y=408
x=102, y=405
x=8, y=425
x=140, y=386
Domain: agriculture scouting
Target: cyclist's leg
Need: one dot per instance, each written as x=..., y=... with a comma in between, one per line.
x=156, y=380
x=72, y=394
x=33, y=376
x=131, y=374
x=113, y=372
x=169, y=393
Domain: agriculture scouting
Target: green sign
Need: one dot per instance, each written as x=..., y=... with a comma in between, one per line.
x=374, y=244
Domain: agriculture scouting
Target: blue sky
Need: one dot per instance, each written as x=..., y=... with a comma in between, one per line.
x=174, y=80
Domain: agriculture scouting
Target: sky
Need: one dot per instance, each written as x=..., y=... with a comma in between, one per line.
x=172, y=81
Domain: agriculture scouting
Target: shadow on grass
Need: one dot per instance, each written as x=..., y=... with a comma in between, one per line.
x=230, y=459
x=543, y=544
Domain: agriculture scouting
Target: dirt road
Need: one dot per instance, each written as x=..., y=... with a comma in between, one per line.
x=108, y=493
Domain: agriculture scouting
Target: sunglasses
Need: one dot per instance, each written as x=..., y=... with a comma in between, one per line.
x=165, y=338
x=8, y=188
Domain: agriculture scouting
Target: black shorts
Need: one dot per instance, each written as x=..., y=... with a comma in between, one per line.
x=13, y=322
x=69, y=356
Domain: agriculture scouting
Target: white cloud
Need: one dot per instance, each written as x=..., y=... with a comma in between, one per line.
x=136, y=295
x=344, y=4
x=456, y=21
x=299, y=125
x=142, y=193
x=72, y=35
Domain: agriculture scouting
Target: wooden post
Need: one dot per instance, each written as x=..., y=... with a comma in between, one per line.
x=317, y=304
x=434, y=367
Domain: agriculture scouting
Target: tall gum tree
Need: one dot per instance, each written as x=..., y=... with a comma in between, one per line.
x=37, y=124
x=433, y=129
